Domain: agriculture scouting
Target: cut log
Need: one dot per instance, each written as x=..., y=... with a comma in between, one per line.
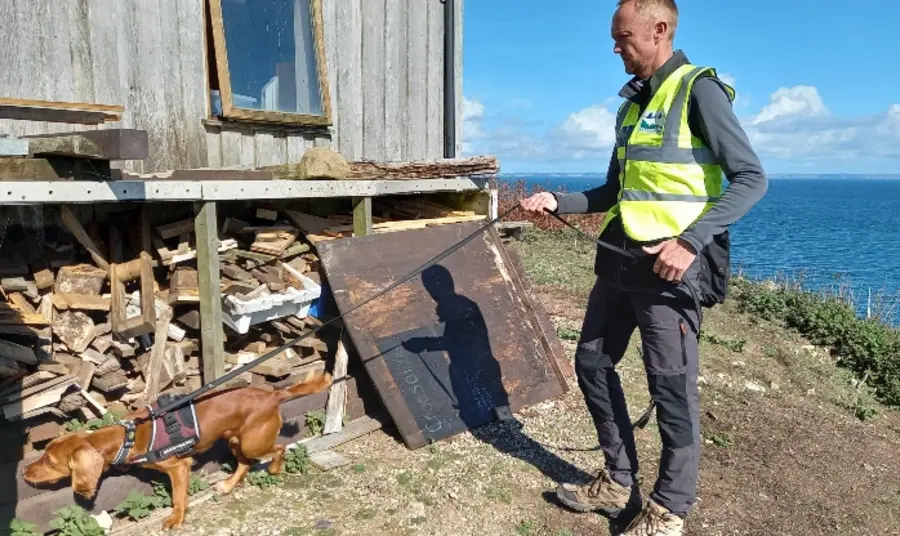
x=171, y=230
x=81, y=302
x=13, y=284
x=43, y=279
x=19, y=303
x=17, y=352
x=81, y=279
x=184, y=287
x=74, y=226
x=75, y=329
x=337, y=395
x=424, y=169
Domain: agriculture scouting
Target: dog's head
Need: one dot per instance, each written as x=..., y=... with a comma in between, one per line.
x=69, y=455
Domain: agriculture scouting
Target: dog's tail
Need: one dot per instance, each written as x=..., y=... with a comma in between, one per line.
x=315, y=382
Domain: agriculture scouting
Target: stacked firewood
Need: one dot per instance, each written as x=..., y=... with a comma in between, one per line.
x=79, y=340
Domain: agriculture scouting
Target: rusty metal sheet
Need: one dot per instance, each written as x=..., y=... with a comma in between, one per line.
x=448, y=347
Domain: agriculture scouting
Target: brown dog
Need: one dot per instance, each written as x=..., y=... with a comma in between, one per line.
x=247, y=418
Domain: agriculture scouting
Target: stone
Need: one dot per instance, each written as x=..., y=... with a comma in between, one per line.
x=323, y=163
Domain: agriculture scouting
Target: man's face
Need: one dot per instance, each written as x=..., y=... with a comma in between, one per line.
x=636, y=40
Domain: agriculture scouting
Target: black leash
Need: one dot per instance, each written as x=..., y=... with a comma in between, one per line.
x=175, y=404
x=179, y=402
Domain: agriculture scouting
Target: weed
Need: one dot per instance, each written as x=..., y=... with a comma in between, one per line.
x=721, y=441
x=197, y=485
x=525, y=528
x=137, y=505
x=264, y=480
x=568, y=334
x=359, y=468
x=315, y=421
x=366, y=513
x=736, y=346
x=500, y=494
x=296, y=460
x=160, y=491
x=418, y=520
x=828, y=319
x=21, y=528
x=75, y=521
x=77, y=425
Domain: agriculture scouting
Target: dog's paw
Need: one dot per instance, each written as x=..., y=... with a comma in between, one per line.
x=223, y=488
x=173, y=522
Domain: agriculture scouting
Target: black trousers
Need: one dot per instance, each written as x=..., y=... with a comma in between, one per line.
x=668, y=327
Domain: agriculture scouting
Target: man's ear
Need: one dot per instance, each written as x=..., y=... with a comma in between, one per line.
x=86, y=464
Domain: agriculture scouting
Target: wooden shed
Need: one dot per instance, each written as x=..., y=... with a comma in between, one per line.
x=221, y=83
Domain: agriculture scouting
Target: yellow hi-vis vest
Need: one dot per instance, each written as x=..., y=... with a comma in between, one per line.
x=668, y=177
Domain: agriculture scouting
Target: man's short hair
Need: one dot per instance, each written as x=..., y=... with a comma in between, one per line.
x=664, y=9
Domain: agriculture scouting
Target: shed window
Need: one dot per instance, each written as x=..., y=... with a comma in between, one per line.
x=269, y=61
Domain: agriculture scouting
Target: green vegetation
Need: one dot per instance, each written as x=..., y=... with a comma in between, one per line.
x=868, y=347
x=20, y=528
x=75, y=521
x=296, y=460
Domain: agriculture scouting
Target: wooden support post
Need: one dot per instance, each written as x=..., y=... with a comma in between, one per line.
x=206, y=230
x=362, y=216
x=337, y=396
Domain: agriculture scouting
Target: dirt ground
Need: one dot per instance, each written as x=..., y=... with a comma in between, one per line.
x=783, y=453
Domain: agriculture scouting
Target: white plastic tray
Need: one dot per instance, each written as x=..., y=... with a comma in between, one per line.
x=239, y=315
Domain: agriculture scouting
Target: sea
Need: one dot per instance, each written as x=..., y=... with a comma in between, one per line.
x=831, y=233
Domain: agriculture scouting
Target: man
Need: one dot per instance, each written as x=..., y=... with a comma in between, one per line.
x=676, y=136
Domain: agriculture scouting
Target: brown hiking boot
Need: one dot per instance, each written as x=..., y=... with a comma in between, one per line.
x=655, y=520
x=603, y=494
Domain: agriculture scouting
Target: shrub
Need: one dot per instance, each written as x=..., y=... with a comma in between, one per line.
x=866, y=346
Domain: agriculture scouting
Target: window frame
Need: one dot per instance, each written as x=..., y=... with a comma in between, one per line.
x=231, y=112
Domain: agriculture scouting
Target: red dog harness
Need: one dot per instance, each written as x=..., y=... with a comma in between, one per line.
x=174, y=434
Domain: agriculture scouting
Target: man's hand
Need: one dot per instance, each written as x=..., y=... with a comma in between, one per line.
x=539, y=201
x=675, y=257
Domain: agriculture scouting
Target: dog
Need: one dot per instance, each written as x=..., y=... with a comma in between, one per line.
x=248, y=418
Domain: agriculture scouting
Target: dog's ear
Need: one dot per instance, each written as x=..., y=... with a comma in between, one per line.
x=86, y=464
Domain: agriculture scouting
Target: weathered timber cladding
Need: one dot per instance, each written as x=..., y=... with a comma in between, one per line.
x=385, y=63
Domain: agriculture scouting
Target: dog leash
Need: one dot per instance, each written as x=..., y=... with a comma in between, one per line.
x=175, y=404
x=179, y=402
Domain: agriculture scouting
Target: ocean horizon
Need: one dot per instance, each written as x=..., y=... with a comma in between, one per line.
x=830, y=231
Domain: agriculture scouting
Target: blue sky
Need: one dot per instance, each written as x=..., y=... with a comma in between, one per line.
x=818, y=82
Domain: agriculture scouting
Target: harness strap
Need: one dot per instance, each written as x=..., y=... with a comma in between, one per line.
x=125, y=449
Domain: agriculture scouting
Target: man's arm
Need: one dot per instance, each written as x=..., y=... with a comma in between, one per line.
x=712, y=119
x=599, y=199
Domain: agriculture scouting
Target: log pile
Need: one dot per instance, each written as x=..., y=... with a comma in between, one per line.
x=101, y=315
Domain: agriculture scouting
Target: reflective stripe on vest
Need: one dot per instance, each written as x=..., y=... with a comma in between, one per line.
x=668, y=177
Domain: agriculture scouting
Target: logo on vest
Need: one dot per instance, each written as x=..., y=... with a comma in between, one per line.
x=652, y=122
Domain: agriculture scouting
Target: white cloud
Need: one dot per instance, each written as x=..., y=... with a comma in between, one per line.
x=587, y=131
x=803, y=101
x=797, y=126
x=728, y=79
x=472, y=116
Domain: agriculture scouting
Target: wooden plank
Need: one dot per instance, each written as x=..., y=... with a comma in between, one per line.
x=13, y=147
x=104, y=26
x=395, y=67
x=350, y=77
x=74, y=226
x=157, y=356
x=374, y=75
x=326, y=460
x=82, y=302
x=362, y=216
x=465, y=318
x=416, y=81
x=57, y=111
x=104, y=144
x=51, y=169
x=353, y=430
x=434, y=82
x=337, y=395
x=458, y=74
x=231, y=147
x=194, y=94
x=212, y=334
x=424, y=169
x=332, y=43
x=20, y=353
x=171, y=230
x=149, y=108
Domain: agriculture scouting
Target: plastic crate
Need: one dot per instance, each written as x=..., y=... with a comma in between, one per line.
x=239, y=315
